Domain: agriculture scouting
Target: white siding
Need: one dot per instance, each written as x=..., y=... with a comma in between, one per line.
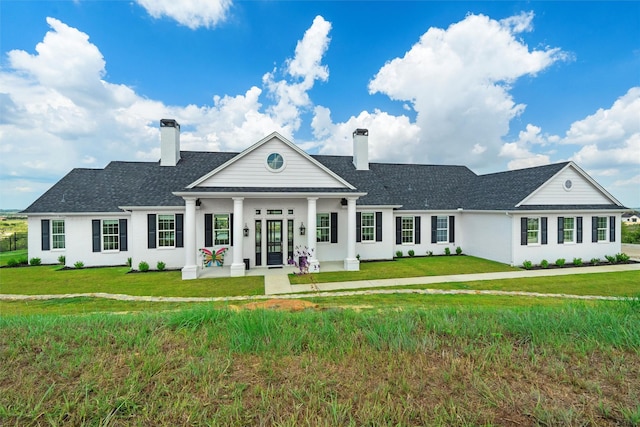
x=582, y=192
x=173, y=258
x=252, y=171
x=487, y=235
x=425, y=245
x=379, y=250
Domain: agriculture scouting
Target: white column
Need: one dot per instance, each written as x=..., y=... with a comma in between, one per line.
x=314, y=265
x=237, y=267
x=190, y=269
x=351, y=263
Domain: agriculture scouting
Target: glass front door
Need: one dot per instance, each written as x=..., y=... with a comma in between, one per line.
x=274, y=242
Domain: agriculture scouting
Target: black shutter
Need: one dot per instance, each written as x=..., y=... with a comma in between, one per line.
x=208, y=230
x=334, y=227
x=612, y=228
x=579, y=229
x=122, y=230
x=434, y=229
x=544, y=230
x=358, y=226
x=95, y=234
x=44, y=234
x=594, y=229
x=151, y=231
x=452, y=229
x=560, y=230
x=416, y=226
x=231, y=229
x=179, y=230
x=398, y=230
x=523, y=231
x=378, y=226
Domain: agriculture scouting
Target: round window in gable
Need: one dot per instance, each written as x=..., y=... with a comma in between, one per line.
x=567, y=185
x=275, y=162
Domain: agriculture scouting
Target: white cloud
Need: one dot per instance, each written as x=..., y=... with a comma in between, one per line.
x=458, y=82
x=190, y=13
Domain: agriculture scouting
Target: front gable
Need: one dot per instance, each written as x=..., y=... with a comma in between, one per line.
x=570, y=186
x=290, y=168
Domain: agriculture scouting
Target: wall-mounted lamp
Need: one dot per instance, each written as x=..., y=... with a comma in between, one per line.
x=302, y=229
x=246, y=230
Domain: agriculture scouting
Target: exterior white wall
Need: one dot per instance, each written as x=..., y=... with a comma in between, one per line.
x=298, y=171
x=174, y=258
x=379, y=250
x=582, y=192
x=326, y=251
x=425, y=245
x=553, y=250
x=487, y=235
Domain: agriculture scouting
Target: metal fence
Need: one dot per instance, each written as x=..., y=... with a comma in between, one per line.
x=13, y=242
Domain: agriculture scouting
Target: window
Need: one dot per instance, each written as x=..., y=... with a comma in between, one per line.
x=221, y=229
x=368, y=227
x=166, y=231
x=533, y=230
x=602, y=229
x=57, y=233
x=110, y=235
x=274, y=211
x=275, y=162
x=323, y=227
x=569, y=230
x=442, y=229
x=407, y=229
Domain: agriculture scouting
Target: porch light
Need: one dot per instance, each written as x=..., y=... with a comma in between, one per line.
x=246, y=230
x=302, y=229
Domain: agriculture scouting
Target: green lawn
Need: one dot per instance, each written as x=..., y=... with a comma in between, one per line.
x=17, y=255
x=409, y=267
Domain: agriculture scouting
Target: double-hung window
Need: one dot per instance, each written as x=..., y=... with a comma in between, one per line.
x=602, y=228
x=166, y=231
x=442, y=229
x=57, y=234
x=569, y=230
x=323, y=227
x=221, y=229
x=407, y=229
x=368, y=227
x=533, y=231
x=110, y=235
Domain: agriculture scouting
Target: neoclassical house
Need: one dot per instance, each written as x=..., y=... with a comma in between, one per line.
x=262, y=203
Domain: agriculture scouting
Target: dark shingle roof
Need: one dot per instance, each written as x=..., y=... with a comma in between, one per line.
x=413, y=187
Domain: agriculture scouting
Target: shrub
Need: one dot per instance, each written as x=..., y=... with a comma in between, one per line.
x=527, y=265
x=595, y=261
x=62, y=259
x=161, y=265
x=358, y=257
x=560, y=262
x=35, y=261
x=458, y=250
x=622, y=258
x=78, y=264
x=447, y=251
x=129, y=262
x=544, y=263
x=412, y=253
x=143, y=266
x=399, y=254
x=429, y=253
x=12, y=262
x=577, y=262
x=23, y=261
x=611, y=258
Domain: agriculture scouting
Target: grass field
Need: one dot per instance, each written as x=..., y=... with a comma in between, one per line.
x=575, y=364
x=17, y=255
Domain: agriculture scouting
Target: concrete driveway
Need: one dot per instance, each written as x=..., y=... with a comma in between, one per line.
x=632, y=250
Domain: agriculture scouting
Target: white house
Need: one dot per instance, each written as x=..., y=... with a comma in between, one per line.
x=268, y=199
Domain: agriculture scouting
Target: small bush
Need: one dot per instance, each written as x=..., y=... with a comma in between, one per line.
x=12, y=262
x=458, y=250
x=35, y=261
x=577, y=262
x=411, y=253
x=23, y=261
x=143, y=266
x=358, y=257
x=129, y=262
x=527, y=265
x=78, y=264
x=429, y=253
x=622, y=258
x=544, y=263
x=611, y=258
x=161, y=266
x=447, y=251
x=595, y=261
x=62, y=260
x=560, y=262
x=399, y=254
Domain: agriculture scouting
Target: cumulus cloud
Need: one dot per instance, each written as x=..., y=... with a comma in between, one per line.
x=458, y=81
x=190, y=13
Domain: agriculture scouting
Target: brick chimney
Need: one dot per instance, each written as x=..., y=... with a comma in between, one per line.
x=169, y=142
x=361, y=149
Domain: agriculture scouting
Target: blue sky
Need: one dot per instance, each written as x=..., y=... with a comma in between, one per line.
x=491, y=85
